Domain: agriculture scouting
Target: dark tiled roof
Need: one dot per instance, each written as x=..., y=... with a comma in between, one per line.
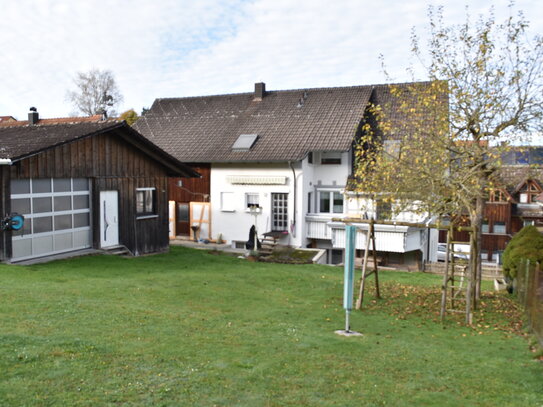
x=203, y=129
x=511, y=177
x=18, y=142
x=58, y=120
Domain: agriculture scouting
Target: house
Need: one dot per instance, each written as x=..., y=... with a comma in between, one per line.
x=6, y=119
x=82, y=183
x=513, y=204
x=279, y=160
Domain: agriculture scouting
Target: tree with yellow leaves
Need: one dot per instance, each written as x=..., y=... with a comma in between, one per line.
x=440, y=144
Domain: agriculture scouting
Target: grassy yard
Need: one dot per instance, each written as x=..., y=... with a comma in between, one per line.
x=196, y=329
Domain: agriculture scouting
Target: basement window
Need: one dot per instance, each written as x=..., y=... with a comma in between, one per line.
x=145, y=202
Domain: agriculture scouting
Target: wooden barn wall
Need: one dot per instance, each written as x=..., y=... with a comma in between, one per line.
x=493, y=243
x=5, y=207
x=97, y=156
x=498, y=212
x=195, y=185
x=113, y=165
x=141, y=236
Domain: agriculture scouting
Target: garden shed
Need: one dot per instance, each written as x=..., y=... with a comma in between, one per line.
x=83, y=183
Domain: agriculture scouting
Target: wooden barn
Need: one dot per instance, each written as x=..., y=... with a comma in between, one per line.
x=83, y=183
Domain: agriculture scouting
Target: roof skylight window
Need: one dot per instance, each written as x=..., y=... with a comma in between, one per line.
x=244, y=142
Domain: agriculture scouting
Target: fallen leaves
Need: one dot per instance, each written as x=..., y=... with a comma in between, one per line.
x=495, y=311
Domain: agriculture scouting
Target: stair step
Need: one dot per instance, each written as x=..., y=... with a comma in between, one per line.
x=117, y=251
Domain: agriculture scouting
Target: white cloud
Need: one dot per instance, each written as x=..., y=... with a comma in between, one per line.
x=178, y=48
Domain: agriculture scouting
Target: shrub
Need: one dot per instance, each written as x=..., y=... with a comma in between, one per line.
x=526, y=244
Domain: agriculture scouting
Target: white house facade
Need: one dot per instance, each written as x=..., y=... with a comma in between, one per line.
x=281, y=160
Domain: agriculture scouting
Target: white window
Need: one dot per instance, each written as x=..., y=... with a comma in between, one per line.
x=252, y=200
x=524, y=198
x=227, y=201
x=528, y=223
x=330, y=202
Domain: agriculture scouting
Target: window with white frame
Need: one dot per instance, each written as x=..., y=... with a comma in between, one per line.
x=227, y=202
x=146, y=201
x=330, y=202
x=252, y=200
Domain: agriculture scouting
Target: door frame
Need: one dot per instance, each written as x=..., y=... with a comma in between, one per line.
x=109, y=220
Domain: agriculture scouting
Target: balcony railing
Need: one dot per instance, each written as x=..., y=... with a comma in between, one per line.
x=317, y=227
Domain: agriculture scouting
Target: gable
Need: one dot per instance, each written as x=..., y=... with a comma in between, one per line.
x=527, y=191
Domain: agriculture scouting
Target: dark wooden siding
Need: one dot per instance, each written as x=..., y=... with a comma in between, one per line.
x=193, y=188
x=491, y=242
x=112, y=165
x=5, y=208
x=146, y=235
x=98, y=156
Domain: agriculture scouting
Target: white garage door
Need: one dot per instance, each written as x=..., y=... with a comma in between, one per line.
x=57, y=216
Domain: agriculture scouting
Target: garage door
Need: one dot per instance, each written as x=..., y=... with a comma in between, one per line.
x=57, y=216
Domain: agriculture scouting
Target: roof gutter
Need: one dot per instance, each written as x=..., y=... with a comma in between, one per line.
x=5, y=161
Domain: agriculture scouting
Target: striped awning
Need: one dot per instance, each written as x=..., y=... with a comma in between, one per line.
x=256, y=180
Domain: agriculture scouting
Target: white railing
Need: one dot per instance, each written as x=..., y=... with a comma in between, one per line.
x=317, y=227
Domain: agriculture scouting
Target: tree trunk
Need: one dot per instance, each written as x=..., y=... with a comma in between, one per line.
x=477, y=222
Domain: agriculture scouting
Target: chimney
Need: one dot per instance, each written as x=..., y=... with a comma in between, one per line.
x=260, y=90
x=33, y=116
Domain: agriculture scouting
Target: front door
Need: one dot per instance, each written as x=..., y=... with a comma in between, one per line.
x=183, y=219
x=279, y=212
x=109, y=218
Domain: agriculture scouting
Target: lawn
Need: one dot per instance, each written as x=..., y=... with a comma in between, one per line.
x=191, y=328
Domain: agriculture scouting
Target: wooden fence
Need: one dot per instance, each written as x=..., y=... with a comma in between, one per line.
x=489, y=272
x=529, y=290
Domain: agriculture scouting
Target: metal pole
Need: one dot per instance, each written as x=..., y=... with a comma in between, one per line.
x=347, y=323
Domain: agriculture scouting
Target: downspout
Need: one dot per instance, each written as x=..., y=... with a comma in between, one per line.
x=293, y=223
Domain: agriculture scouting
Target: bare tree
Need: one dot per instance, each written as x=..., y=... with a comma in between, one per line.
x=96, y=93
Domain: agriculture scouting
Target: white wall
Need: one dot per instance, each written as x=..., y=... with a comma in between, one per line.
x=234, y=224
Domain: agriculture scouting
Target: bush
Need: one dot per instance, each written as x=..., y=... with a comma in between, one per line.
x=526, y=244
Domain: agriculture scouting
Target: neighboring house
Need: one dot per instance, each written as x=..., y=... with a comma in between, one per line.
x=83, y=183
x=6, y=119
x=281, y=158
x=513, y=205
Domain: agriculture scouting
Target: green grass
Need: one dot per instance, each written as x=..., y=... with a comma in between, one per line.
x=194, y=329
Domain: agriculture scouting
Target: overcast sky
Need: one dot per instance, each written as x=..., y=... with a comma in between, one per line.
x=174, y=48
